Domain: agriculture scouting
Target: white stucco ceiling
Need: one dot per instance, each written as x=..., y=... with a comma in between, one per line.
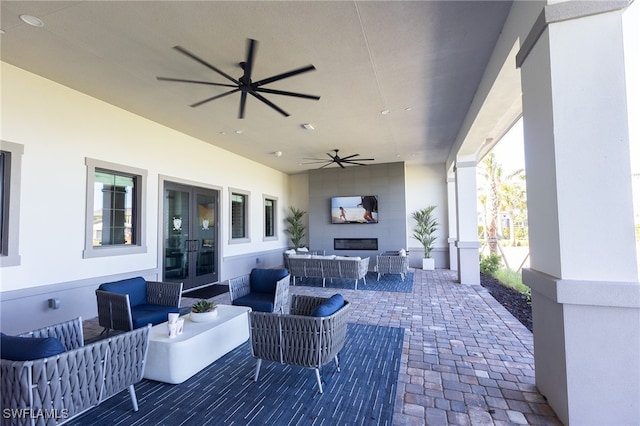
x=422, y=60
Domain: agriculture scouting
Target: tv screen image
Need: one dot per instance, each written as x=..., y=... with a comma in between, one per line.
x=354, y=209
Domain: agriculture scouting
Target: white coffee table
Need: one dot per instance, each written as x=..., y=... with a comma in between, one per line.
x=174, y=360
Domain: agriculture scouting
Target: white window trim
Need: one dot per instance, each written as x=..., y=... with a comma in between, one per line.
x=247, y=222
x=266, y=197
x=12, y=257
x=141, y=237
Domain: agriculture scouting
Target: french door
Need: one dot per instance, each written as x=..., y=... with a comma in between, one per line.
x=190, y=235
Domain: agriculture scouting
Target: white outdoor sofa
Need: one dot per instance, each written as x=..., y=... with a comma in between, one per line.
x=310, y=266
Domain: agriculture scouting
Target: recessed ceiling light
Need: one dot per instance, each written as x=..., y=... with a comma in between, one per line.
x=385, y=112
x=32, y=20
x=308, y=126
x=407, y=109
x=1, y=31
x=239, y=132
x=278, y=154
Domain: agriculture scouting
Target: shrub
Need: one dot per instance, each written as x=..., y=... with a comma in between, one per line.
x=489, y=265
x=513, y=279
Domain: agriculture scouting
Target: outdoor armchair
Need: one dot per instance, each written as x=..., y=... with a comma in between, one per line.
x=311, y=336
x=392, y=264
x=265, y=290
x=133, y=303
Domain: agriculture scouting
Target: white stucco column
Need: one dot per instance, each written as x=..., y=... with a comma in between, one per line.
x=467, y=223
x=453, y=222
x=583, y=274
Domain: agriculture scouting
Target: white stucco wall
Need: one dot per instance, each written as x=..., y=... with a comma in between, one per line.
x=59, y=128
x=425, y=186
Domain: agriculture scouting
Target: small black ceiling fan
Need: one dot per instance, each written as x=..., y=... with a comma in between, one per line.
x=340, y=161
x=244, y=84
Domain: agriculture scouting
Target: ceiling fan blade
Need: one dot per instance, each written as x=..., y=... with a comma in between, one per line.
x=357, y=164
x=339, y=163
x=248, y=65
x=282, y=92
x=362, y=159
x=214, y=98
x=206, y=64
x=243, y=103
x=284, y=75
x=318, y=162
x=268, y=102
x=349, y=156
x=328, y=164
x=181, y=80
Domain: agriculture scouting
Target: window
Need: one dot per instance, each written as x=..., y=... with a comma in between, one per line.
x=270, y=209
x=239, y=216
x=10, y=171
x=114, y=209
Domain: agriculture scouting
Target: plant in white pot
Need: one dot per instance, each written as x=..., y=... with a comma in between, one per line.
x=425, y=233
x=295, y=226
x=203, y=310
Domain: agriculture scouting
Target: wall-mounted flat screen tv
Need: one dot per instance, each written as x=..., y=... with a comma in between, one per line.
x=354, y=209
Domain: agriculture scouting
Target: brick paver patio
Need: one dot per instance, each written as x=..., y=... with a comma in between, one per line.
x=466, y=359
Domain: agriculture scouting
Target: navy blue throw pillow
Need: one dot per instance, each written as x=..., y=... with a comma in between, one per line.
x=329, y=307
x=16, y=348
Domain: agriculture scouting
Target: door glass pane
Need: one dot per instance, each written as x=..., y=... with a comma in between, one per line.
x=176, y=263
x=205, y=234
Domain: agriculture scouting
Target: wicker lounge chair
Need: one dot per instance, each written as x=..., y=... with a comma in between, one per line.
x=70, y=383
x=392, y=264
x=265, y=290
x=134, y=302
x=299, y=339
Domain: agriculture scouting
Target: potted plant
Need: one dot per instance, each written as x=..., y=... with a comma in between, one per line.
x=295, y=227
x=203, y=310
x=424, y=232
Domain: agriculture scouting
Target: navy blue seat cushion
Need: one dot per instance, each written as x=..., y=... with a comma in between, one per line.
x=329, y=307
x=264, y=280
x=261, y=302
x=142, y=315
x=136, y=288
x=16, y=348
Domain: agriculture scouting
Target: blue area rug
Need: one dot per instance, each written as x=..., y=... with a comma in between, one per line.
x=362, y=393
x=388, y=282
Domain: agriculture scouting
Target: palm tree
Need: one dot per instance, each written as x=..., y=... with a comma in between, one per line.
x=494, y=183
x=513, y=203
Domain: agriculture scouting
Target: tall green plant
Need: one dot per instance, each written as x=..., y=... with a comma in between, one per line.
x=425, y=230
x=295, y=227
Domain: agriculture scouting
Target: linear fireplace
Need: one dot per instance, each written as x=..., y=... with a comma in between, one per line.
x=355, y=244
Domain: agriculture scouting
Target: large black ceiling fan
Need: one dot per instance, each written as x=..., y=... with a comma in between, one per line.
x=340, y=161
x=243, y=84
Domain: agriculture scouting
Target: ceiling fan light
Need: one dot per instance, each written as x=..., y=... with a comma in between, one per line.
x=32, y=20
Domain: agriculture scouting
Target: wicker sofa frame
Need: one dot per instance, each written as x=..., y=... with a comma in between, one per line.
x=392, y=264
x=298, y=339
x=51, y=391
x=315, y=267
